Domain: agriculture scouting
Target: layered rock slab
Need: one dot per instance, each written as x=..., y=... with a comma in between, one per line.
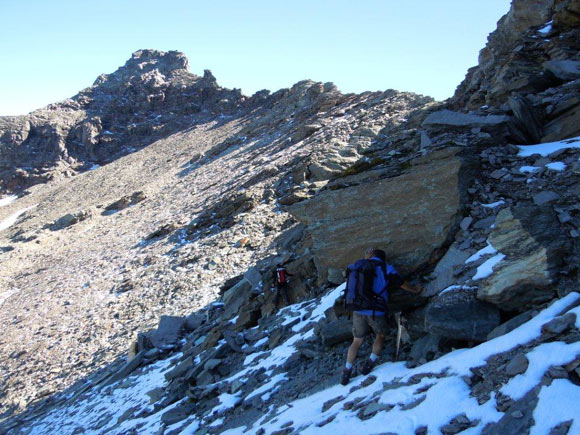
x=411, y=216
x=534, y=246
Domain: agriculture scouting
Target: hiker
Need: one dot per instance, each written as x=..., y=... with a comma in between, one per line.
x=374, y=317
x=280, y=277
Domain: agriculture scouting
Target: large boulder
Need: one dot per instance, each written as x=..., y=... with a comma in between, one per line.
x=563, y=126
x=168, y=332
x=533, y=243
x=457, y=119
x=459, y=315
x=411, y=216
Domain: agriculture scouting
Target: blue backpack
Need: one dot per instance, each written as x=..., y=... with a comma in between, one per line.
x=358, y=294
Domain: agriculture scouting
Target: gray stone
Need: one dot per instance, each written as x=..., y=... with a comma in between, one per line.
x=564, y=69
x=254, y=277
x=180, y=369
x=498, y=173
x=565, y=126
x=212, y=364
x=426, y=142
x=518, y=420
x=168, y=332
x=248, y=316
x=126, y=369
x=511, y=324
x=335, y=276
x=443, y=272
x=562, y=428
x=204, y=378
x=545, y=197
x=178, y=413
x=484, y=224
x=465, y=223
x=457, y=119
x=517, y=365
x=457, y=314
x=526, y=118
x=194, y=321
x=337, y=331
x=68, y=220
x=559, y=324
x=425, y=348
x=235, y=297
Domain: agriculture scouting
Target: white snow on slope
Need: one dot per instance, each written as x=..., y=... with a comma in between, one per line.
x=446, y=398
x=100, y=410
x=545, y=149
x=7, y=200
x=439, y=396
x=11, y=220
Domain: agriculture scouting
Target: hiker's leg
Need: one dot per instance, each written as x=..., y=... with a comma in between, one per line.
x=353, y=349
x=378, y=344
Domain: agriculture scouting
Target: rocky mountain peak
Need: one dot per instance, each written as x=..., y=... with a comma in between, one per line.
x=145, y=62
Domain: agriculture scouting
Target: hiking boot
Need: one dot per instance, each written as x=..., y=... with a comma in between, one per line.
x=346, y=374
x=367, y=366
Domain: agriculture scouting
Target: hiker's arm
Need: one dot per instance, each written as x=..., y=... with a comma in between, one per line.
x=411, y=288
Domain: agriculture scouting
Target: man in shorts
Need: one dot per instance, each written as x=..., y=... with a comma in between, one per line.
x=371, y=320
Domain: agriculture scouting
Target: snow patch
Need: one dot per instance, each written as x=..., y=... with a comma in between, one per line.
x=11, y=220
x=486, y=269
x=556, y=166
x=488, y=250
x=546, y=29
x=493, y=204
x=545, y=149
x=7, y=200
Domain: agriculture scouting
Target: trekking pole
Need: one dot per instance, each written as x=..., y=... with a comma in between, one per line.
x=399, y=333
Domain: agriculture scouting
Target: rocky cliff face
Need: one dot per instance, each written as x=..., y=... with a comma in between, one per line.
x=530, y=52
x=190, y=227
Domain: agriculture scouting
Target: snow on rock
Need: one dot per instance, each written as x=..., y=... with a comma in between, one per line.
x=493, y=204
x=545, y=149
x=546, y=29
x=488, y=250
x=529, y=169
x=556, y=166
x=486, y=269
x=102, y=411
x=395, y=402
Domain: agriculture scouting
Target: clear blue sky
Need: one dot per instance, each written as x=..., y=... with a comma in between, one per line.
x=51, y=49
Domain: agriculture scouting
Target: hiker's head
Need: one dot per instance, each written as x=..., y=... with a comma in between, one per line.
x=375, y=252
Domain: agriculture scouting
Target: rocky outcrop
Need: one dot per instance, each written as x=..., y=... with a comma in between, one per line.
x=529, y=45
x=411, y=216
x=534, y=246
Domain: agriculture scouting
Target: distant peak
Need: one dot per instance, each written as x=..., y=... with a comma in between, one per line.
x=164, y=61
